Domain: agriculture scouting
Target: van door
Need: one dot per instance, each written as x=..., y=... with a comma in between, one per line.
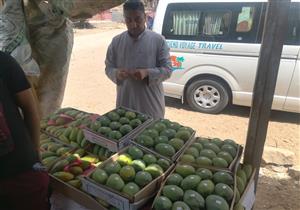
x=289, y=56
x=292, y=47
x=292, y=102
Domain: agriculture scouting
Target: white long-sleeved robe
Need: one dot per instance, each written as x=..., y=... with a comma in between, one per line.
x=149, y=51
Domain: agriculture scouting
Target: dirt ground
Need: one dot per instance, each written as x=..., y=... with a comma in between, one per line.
x=89, y=89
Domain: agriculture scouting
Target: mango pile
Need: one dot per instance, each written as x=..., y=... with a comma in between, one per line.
x=131, y=171
x=66, y=162
x=102, y=153
x=211, y=152
x=51, y=150
x=65, y=117
x=71, y=133
x=117, y=123
x=243, y=176
x=69, y=168
x=66, y=125
x=190, y=188
x=76, y=139
x=165, y=137
x=73, y=136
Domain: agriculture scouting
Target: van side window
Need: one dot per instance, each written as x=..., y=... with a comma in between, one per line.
x=245, y=19
x=216, y=23
x=185, y=23
x=293, y=34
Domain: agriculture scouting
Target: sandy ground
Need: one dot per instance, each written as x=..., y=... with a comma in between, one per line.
x=89, y=89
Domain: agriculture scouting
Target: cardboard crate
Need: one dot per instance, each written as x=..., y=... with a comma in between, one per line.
x=117, y=199
x=232, y=165
x=248, y=197
x=114, y=145
x=75, y=194
x=177, y=154
x=231, y=206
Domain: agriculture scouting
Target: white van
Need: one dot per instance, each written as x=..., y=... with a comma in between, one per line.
x=215, y=46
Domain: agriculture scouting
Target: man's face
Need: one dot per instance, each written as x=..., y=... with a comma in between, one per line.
x=135, y=21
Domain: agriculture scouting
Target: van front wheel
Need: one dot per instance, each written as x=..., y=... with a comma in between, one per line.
x=207, y=95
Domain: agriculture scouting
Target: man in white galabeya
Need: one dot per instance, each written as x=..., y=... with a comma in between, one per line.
x=138, y=61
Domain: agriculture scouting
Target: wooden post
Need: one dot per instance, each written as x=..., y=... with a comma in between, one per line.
x=274, y=34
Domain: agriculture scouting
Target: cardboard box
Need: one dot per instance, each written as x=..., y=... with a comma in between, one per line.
x=232, y=165
x=75, y=194
x=84, y=198
x=248, y=196
x=177, y=154
x=112, y=145
x=116, y=198
x=140, y=204
x=231, y=205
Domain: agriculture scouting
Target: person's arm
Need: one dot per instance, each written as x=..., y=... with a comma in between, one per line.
x=19, y=87
x=163, y=70
x=114, y=74
x=25, y=101
x=110, y=68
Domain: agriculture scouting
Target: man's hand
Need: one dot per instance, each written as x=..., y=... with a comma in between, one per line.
x=122, y=74
x=140, y=74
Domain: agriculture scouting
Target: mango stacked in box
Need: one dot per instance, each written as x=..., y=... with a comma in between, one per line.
x=189, y=187
x=117, y=123
x=65, y=162
x=64, y=150
x=192, y=185
x=211, y=152
x=131, y=171
x=243, y=175
x=51, y=150
x=70, y=167
x=165, y=137
x=66, y=125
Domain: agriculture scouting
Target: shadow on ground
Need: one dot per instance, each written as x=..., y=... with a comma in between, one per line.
x=277, y=194
x=241, y=111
